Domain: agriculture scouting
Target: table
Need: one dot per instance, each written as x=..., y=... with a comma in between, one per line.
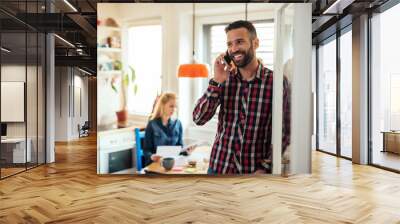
x=17, y=151
x=391, y=141
x=201, y=154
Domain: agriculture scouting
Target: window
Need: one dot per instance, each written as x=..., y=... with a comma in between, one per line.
x=334, y=106
x=346, y=94
x=327, y=97
x=145, y=55
x=385, y=88
x=394, y=101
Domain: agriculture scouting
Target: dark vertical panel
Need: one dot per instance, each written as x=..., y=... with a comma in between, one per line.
x=317, y=97
x=32, y=89
x=25, y=89
x=73, y=91
x=1, y=161
x=37, y=91
x=69, y=92
x=60, y=89
x=47, y=4
x=369, y=96
x=338, y=82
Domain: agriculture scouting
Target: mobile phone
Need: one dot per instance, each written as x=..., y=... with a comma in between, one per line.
x=184, y=151
x=227, y=58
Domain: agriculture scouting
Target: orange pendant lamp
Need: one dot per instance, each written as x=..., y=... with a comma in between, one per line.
x=193, y=70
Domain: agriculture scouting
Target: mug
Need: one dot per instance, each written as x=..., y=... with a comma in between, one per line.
x=168, y=163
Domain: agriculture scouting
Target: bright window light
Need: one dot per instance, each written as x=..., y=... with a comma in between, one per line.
x=145, y=55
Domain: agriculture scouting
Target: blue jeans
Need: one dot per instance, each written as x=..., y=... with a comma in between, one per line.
x=210, y=171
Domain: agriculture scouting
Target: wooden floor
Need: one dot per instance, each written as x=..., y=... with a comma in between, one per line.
x=10, y=171
x=386, y=159
x=69, y=191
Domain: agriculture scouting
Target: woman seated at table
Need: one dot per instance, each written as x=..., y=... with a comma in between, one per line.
x=162, y=129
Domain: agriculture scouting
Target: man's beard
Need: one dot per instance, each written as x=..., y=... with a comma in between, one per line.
x=247, y=57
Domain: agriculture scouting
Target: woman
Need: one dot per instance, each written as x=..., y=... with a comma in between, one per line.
x=161, y=129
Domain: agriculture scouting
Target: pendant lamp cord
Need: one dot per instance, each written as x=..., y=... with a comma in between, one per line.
x=193, y=30
x=245, y=12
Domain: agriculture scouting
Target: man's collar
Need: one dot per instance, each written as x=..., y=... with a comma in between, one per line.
x=258, y=72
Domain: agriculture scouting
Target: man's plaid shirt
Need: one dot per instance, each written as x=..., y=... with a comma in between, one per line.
x=243, y=136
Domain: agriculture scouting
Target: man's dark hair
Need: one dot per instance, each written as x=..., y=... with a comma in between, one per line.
x=242, y=24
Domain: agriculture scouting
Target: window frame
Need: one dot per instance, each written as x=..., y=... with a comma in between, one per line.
x=334, y=37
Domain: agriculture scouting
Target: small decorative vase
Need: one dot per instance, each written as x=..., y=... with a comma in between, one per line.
x=122, y=118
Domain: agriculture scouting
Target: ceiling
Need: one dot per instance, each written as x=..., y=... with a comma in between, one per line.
x=332, y=15
x=77, y=26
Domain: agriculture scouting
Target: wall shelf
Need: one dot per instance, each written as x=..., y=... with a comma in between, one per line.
x=112, y=72
x=109, y=50
x=110, y=28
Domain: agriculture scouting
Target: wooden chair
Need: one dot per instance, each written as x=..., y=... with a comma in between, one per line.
x=84, y=130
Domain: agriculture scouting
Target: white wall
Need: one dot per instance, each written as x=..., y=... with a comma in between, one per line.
x=61, y=103
x=301, y=96
x=14, y=73
x=360, y=90
x=67, y=114
x=50, y=94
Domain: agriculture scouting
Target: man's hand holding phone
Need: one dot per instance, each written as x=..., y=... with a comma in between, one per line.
x=222, y=67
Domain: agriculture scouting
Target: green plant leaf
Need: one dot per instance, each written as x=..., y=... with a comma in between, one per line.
x=133, y=74
x=114, y=88
x=135, y=89
x=126, y=79
x=117, y=65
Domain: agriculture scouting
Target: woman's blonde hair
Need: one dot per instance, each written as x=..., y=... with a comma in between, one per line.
x=159, y=109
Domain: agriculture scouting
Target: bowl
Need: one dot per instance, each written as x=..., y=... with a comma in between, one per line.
x=168, y=163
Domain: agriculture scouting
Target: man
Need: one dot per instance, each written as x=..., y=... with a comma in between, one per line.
x=243, y=90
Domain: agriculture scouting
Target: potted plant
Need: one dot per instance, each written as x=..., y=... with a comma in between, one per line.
x=127, y=84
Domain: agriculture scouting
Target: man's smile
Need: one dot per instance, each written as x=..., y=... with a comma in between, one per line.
x=238, y=57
